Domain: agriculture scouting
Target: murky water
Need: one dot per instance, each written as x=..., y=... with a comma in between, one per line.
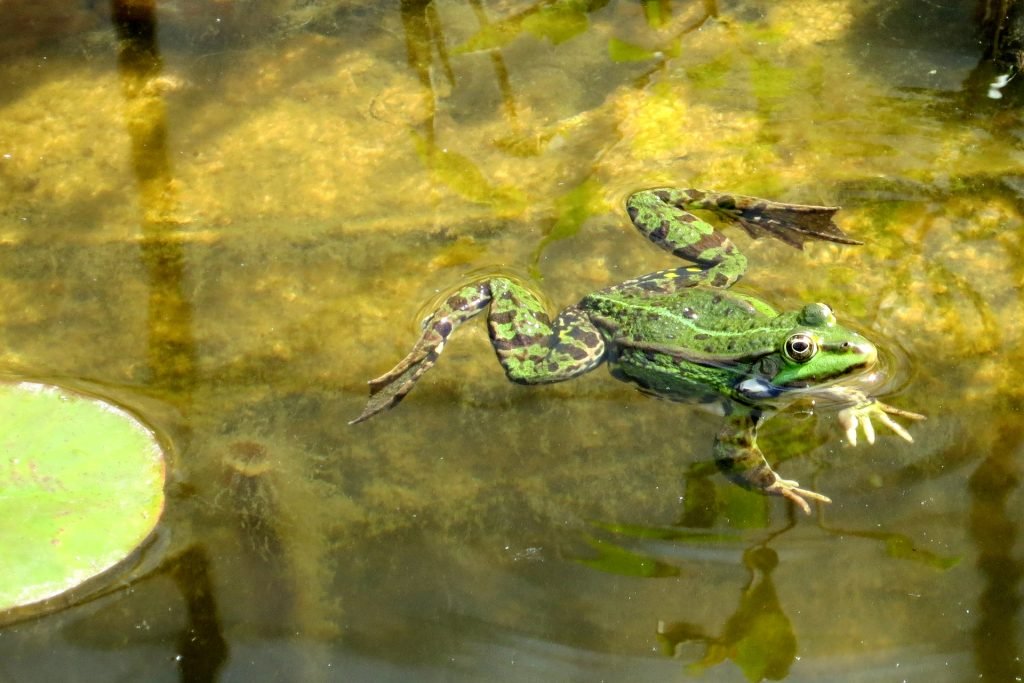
x=228, y=216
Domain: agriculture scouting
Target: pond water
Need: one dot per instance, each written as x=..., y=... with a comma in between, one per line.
x=228, y=216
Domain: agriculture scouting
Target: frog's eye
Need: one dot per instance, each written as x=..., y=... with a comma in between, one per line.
x=800, y=348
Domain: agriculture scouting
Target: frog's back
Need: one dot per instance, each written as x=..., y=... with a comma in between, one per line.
x=702, y=320
x=694, y=344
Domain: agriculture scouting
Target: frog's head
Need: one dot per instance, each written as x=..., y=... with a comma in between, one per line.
x=818, y=349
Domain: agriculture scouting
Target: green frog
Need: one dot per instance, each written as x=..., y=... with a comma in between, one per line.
x=680, y=334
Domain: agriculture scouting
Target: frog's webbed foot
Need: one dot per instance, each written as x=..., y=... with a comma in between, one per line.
x=391, y=387
x=791, y=223
x=861, y=415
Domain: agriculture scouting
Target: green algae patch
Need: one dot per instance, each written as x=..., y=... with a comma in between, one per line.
x=81, y=487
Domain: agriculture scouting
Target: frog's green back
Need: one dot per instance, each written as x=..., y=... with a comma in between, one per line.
x=693, y=344
x=700, y=321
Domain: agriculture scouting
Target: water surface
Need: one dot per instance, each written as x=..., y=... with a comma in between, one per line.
x=227, y=217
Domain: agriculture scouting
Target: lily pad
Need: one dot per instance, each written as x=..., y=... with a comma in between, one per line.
x=81, y=487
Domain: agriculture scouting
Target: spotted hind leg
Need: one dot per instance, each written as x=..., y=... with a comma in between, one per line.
x=534, y=350
x=531, y=348
x=663, y=215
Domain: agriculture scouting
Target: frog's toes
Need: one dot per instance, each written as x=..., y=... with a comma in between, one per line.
x=849, y=420
x=790, y=490
x=896, y=427
x=860, y=416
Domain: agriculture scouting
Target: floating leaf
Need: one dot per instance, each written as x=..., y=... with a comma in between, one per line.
x=81, y=487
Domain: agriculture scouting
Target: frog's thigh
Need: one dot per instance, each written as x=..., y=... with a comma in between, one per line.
x=662, y=282
x=737, y=454
x=531, y=348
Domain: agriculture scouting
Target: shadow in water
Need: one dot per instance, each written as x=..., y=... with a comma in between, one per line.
x=171, y=345
x=994, y=528
x=171, y=359
x=201, y=646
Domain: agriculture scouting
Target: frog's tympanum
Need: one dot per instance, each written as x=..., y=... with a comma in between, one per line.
x=679, y=334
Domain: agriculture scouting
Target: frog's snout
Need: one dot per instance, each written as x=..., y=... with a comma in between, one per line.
x=860, y=348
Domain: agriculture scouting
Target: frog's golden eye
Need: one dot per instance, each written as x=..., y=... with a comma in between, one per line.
x=800, y=348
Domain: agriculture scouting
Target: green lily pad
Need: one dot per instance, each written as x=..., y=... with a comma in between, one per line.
x=81, y=487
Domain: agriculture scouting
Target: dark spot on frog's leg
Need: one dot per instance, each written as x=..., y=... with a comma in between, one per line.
x=588, y=338
x=553, y=366
x=659, y=233
x=516, y=343
x=701, y=336
x=501, y=317
x=689, y=313
x=664, y=195
x=726, y=201
x=719, y=280
x=443, y=327
x=713, y=242
x=577, y=352
x=457, y=303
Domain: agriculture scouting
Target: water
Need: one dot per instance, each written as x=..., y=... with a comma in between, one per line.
x=229, y=224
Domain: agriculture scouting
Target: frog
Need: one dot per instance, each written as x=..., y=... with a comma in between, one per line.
x=682, y=334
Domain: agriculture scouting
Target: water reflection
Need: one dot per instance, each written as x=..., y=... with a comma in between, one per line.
x=758, y=636
x=201, y=647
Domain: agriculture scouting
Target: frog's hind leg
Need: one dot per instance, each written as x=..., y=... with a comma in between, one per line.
x=663, y=216
x=531, y=348
x=739, y=458
x=534, y=350
x=661, y=282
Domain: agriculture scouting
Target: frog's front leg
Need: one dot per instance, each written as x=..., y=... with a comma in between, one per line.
x=859, y=411
x=739, y=458
x=531, y=348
